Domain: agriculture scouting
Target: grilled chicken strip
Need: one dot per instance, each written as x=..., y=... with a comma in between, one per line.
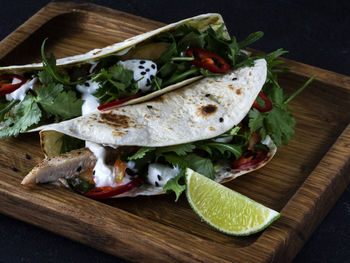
x=65, y=165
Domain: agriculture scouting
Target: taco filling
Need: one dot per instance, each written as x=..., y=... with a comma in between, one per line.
x=129, y=72
x=221, y=126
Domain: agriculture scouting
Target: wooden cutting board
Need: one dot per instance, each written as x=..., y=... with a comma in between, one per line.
x=303, y=181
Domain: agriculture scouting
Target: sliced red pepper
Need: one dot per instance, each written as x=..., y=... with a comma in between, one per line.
x=208, y=60
x=6, y=88
x=267, y=103
x=249, y=158
x=109, y=191
x=115, y=103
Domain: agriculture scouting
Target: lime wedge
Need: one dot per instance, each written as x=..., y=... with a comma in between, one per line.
x=224, y=209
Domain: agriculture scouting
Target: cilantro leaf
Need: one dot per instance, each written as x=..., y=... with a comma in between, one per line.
x=181, y=149
x=65, y=106
x=26, y=113
x=201, y=165
x=176, y=160
x=115, y=83
x=47, y=94
x=175, y=186
x=5, y=108
x=141, y=153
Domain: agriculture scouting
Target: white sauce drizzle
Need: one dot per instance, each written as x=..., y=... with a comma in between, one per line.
x=20, y=93
x=160, y=174
x=144, y=71
x=104, y=174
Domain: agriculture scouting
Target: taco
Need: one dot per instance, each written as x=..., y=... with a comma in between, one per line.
x=143, y=149
x=132, y=71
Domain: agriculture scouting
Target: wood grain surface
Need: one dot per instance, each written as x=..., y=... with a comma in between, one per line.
x=303, y=181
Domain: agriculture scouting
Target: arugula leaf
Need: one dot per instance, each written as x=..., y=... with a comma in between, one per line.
x=26, y=113
x=253, y=37
x=141, y=153
x=225, y=149
x=49, y=65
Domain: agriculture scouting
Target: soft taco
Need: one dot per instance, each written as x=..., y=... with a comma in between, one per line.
x=132, y=71
x=143, y=149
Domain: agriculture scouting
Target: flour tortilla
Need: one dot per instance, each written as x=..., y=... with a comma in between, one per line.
x=201, y=110
x=201, y=22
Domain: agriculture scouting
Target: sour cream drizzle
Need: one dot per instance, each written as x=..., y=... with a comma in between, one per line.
x=103, y=174
x=20, y=93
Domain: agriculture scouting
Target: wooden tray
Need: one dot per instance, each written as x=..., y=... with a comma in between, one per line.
x=303, y=181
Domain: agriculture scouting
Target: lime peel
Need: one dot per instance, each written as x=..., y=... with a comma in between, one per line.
x=224, y=209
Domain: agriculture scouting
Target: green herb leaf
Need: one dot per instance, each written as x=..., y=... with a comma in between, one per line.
x=49, y=65
x=65, y=106
x=181, y=149
x=201, y=165
x=141, y=153
x=225, y=149
x=253, y=37
x=175, y=160
x=5, y=107
x=115, y=83
x=173, y=185
x=26, y=113
x=70, y=143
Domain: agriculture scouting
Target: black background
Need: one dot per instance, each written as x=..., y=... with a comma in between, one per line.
x=315, y=33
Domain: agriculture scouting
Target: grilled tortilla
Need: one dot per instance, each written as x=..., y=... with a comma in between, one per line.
x=201, y=110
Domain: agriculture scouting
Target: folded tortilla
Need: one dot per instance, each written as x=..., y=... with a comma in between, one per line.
x=133, y=48
x=202, y=110
x=201, y=22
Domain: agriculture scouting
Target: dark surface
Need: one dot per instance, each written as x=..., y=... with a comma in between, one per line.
x=315, y=33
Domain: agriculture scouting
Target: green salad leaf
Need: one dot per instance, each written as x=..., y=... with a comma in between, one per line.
x=114, y=83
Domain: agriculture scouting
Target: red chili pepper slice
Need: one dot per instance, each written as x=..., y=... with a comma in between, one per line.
x=207, y=60
x=108, y=191
x=267, y=103
x=6, y=88
x=249, y=158
x=117, y=102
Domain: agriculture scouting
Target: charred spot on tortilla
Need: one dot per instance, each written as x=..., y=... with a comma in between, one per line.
x=97, y=52
x=211, y=128
x=234, y=79
x=208, y=109
x=118, y=133
x=239, y=92
x=230, y=87
x=149, y=106
x=116, y=120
